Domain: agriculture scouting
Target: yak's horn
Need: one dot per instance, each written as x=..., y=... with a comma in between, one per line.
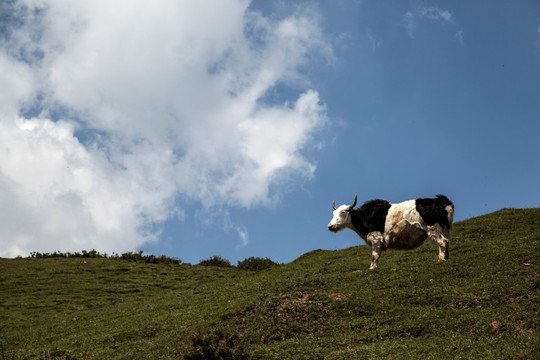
x=354, y=203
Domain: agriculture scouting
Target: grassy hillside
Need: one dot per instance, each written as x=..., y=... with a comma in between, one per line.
x=483, y=303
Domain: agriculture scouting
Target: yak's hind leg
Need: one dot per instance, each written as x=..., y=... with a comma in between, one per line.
x=376, y=240
x=437, y=235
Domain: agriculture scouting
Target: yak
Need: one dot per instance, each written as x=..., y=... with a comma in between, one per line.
x=405, y=225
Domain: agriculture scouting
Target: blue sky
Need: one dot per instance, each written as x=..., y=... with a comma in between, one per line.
x=127, y=127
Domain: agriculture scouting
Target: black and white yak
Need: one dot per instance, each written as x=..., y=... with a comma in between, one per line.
x=406, y=225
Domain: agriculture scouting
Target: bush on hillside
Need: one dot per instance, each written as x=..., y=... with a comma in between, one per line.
x=216, y=346
x=58, y=254
x=129, y=256
x=256, y=264
x=216, y=261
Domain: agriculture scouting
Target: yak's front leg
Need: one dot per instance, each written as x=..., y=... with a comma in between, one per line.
x=376, y=240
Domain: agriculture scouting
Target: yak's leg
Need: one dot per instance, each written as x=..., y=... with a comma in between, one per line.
x=435, y=233
x=375, y=254
x=376, y=240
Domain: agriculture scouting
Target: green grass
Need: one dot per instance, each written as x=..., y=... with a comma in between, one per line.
x=483, y=303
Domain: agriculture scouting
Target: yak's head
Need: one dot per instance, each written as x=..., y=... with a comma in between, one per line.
x=342, y=217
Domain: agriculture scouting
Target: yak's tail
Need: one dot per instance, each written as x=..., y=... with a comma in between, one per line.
x=449, y=207
x=450, y=211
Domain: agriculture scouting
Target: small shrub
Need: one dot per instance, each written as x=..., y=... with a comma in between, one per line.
x=256, y=264
x=216, y=261
x=163, y=259
x=216, y=346
x=149, y=259
x=132, y=256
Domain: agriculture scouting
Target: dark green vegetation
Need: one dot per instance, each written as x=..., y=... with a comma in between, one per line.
x=130, y=256
x=216, y=261
x=483, y=303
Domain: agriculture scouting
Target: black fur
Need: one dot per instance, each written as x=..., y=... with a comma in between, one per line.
x=433, y=211
x=370, y=217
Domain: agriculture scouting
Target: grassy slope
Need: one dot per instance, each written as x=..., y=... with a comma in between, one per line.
x=481, y=304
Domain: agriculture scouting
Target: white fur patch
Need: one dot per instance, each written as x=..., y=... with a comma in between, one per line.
x=404, y=227
x=403, y=211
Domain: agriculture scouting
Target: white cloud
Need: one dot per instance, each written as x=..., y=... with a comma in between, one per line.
x=244, y=236
x=374, y=41
x=409, y=21
x=459, y=36
x=135, y=103
x=434, y=14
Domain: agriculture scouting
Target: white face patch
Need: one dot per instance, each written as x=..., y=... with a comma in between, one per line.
x=341, y=219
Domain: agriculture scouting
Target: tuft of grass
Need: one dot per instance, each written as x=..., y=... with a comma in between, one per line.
x=483, y=303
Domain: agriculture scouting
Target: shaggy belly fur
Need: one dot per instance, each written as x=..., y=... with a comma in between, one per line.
x=405, y=236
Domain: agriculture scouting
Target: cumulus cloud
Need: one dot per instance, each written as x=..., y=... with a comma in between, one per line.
x=111, y=111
